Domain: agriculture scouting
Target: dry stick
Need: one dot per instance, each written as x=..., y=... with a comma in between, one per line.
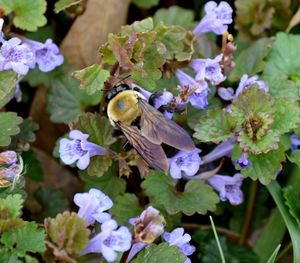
x=249, y=213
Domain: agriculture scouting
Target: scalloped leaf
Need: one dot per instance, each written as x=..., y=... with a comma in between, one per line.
x=92, y=78
x=29, y=15
x=287, y=115
x=109, y=183
x=66, y=101
x=177, y=40
x=283, y=67
x=196, y=198
x=67, y=232
x=28, y=238
x=64, y=4
x=8, y=81
x=9, y=125
x=294, y=157
x=163, y=253
x=216, y=126
x=264, y=166
x=291, y=196
x=11, y=206
x=125, y=207
x=174, y=15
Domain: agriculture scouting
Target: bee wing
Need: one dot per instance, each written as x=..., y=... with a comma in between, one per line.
x=152, y=153
x=158, y=129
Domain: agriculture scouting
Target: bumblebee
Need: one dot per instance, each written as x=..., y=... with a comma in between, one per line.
x=144, y=127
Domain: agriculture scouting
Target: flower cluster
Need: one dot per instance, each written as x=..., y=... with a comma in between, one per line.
x=79, y=149
x=11, y=167
x=111, y=239
x=21, y=54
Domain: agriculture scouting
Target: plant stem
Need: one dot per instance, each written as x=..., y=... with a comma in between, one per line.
x=249, y=213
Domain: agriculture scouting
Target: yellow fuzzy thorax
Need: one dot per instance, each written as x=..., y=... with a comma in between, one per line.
x=124, y=107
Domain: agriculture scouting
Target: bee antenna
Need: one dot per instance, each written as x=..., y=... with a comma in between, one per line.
x=124, y=79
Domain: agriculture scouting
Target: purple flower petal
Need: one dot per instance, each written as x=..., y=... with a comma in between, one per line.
x=216, y=19
x=186, y=162
x=228, y=187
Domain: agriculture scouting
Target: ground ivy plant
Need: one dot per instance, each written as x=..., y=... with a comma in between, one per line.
x=70, y=188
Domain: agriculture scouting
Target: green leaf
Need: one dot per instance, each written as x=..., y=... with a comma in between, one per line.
x=255, y=56
x=9, y=122
x=125, y=207
x=66, y=101
x=28, y=238
x=294, y=157
x=9, y=257
x=11, y=205
x=99, y=165
x=144, y=25
x=30, y=259
x=287, y=115
x=34, y=168
x=162, y=253
x=294, y=231
x=29, y=15
x=64, y=4
x=145, y=3
x=92, y=78
x=264, y=166
x=291, y=196
x=174, y=15
x=257, y=110
x=283, y=66
x=271, y=236
x=196, y=198
x=109, y=183
x=98, y=128
x=26, y=134
x=68, y=232
x=7, y=86
x=58, y=204
x=216, y=126
x=177, y=40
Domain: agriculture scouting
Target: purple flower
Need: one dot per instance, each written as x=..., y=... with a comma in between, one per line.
x=16, y=56
x=198, y=97
x=1, y=33
x=216, y=19
x=165, y=98
x=228, y=187
x=79, y=149
x=181, y=240
x=226, y=93
x=243, y=161
x=148, y=226
x=246, y=82
x=186, y=162
x=8, y=157
x=208, y=69
x=47, y=54
x=295, y=141
x=223, y=149
x=109, y=240
x=92, y=206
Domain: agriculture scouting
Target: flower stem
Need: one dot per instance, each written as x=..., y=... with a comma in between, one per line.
x=249, y=213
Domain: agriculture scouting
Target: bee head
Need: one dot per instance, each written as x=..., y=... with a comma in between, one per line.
x=116, y=90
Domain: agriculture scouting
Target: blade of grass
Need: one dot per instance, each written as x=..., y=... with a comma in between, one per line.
x=217, y=240
x=274, y=255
